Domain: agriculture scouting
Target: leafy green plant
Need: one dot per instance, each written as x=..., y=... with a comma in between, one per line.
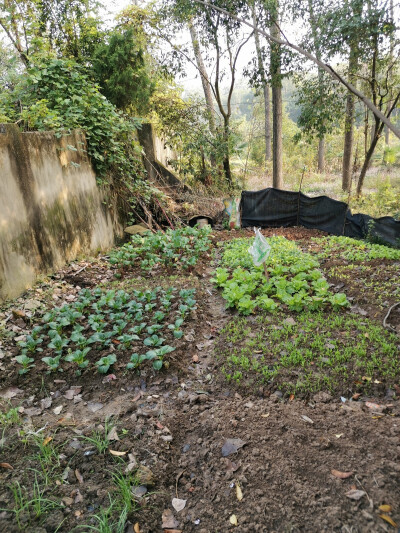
x=78, y=357
x=126, y=340
x=105, y=362
x=294, y=279
x=181, y=247
x=138, y=328
x=353, y=250
x=319, y=350
x=102, y=316
x=31, y=344
x=25, y=362
x=52, y=362
x=153, y=328
x=58, y=344
x=10, y=417
x=154, y=340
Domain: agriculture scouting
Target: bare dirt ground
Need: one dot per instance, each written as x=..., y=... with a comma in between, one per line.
x=242, y=459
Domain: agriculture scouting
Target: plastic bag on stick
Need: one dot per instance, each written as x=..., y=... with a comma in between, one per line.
x=260, y=249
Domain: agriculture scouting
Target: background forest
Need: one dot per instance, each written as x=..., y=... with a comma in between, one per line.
x=249, y=94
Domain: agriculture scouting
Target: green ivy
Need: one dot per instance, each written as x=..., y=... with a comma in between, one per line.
x=57, y=94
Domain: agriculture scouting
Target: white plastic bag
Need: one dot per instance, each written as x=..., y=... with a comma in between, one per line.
x=260, y=249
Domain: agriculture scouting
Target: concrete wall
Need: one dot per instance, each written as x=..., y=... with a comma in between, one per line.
x=164, y=153
x=156, y=158
x=51, y=209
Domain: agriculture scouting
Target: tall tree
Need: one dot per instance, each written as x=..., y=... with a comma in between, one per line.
x=300, y=50
x=265, y=86
x=121, y=70
x=220, y=37
x=276, y=83
x=317, y=48
x=69, y=28
x=205, y=80
x=347, y=166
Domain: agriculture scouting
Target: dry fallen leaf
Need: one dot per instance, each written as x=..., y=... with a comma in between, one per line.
x=78, y=476
x=232, y=446
x=239, y=493
x=113, y=435
x=78, y=496
x=6, y=465
x=355, y=494
x=291, y=397
x=57, y=410
x=47, y=440
x=385, y=508
x=7, y=394
x=341, y=475
x=233, y=520
x=372, y=405
x=178, y=504
x=117, y=454
x=388, y=519
x=168, y=520
x=67, y=420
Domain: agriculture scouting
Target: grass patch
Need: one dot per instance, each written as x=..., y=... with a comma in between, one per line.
x=317, y=351
x=345, y=248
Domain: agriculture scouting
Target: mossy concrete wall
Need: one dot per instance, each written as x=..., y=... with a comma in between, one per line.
x=51, y=209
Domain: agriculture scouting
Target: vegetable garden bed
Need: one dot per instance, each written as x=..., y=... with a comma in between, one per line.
x=119, y=397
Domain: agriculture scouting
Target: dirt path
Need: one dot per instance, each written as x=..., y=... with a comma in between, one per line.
x=281, y=474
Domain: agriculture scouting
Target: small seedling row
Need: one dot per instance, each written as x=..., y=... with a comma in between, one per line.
x=317, y=351
x=139, y=325
x=347, y=249
x=175, y=248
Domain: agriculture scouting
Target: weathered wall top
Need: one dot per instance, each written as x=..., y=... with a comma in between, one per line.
x=50, y=206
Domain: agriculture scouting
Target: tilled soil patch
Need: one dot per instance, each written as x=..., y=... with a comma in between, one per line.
x=285, y=475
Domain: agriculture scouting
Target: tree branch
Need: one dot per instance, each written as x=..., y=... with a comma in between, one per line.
x=326, y=67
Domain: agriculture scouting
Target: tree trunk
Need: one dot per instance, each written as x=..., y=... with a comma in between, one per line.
x=267, y=122
x=349, y=123
x=277, y=177
x=321, y=155
x=390, y=72
x=366, y=126
x=267, y=105
x=348, y=143
x=226, y=161
x=314, y=30
x=204, y=77
x=378, y=130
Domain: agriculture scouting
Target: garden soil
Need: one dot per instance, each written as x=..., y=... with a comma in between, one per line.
x=314, y=464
